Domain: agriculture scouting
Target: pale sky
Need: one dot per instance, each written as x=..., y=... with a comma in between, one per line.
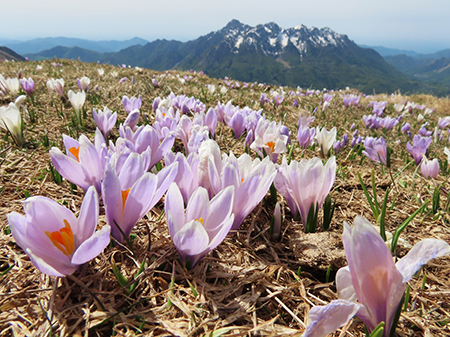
x=419, y=25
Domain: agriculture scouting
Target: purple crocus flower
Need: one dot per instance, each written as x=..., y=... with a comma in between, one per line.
x=305, y=136
x=132, y=120
x=57, y=242
x=105, y=120
x=295, y=103
x=278, y=99
x=132, y=103
x=263, y=99
x=327, y=97
x=146, y=137
x=378, y=293
x=378, y=108
x=186, y=178
x=250, y=178
x=444, y=122
x=202, y=226
x=83, y=163
x=406, y=127
x=424, y=132
x=430, y=168
x=419, y=147
x=27, y=85
x=376, y=149
x=304, y=183
x=129, y=195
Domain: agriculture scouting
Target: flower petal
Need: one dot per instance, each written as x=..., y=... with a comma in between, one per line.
x=419, y=255
x=93, y=246
x=325, y=319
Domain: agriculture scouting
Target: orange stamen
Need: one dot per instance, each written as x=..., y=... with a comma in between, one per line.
x=75, y=151
x=271, y=146
x=63, y=239
x=200, y=220
x=124, y=198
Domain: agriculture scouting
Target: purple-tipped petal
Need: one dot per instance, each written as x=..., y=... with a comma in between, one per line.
x=419, y=255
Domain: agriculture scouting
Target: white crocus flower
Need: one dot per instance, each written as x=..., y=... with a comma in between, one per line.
x=12, y=85
x=211, y=88
x=77, y=101
x=11, y=120
x=325, y=139
x=101, y=72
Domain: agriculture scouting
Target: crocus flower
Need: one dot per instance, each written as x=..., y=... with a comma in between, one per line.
x=250, y=178
x=305, y=136
x=263, y=99
x=27, y=85
x=105, y=120
x=132, y=120
x=424, y=132
x=146, y=137
x=376, y=149
x=57, y=242
x=268, y=137
x=430, y=168
x=186, y=178
x=443, y=122
x=129, y=195
x=419, y=147
x=101, y=72
x=202, y=226
x=278, y=99
x=12, y=85
x=77, y=100
x=373, y=278
x=305, y=183
x=325, y=139
x=11, y=120
x=132, y=103
x=406, y=127
x=83, y=163
x=83, y=83
x=56, y=85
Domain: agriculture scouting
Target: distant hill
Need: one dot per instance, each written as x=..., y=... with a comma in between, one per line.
x=8, y=54
x=72, y=53
x=383, y=51
x=38, y=45
x=424, y=69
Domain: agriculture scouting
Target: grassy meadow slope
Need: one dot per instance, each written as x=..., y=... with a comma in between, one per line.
x=251, y=284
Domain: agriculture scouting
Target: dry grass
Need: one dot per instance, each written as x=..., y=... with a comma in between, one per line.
x=250, y=285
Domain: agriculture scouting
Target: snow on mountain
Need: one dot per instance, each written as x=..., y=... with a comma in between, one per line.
x=273, y=39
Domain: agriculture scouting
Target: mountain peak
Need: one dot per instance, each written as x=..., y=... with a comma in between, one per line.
x=273, y=39
x=234, y=24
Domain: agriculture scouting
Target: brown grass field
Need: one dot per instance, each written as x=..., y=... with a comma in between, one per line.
x=250, y=285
